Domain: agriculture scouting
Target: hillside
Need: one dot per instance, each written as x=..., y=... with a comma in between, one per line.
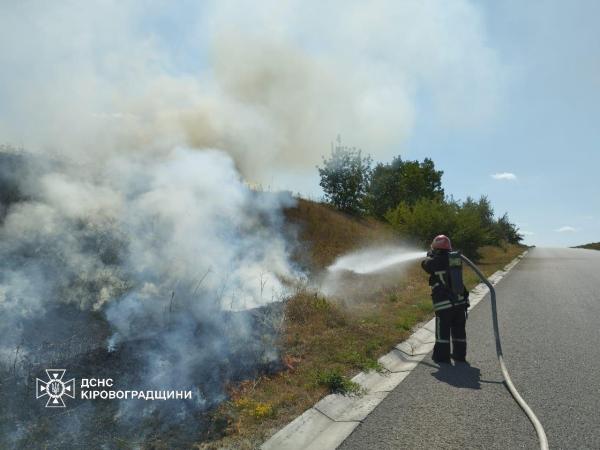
x=325, y=233
x=591, y=246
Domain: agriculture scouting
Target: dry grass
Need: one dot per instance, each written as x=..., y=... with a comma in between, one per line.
x=326, y=339
x=328, y=233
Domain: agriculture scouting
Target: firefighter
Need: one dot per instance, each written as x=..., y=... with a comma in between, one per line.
x=450, y=300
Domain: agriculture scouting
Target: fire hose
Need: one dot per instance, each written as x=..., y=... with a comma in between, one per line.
x=539, y=429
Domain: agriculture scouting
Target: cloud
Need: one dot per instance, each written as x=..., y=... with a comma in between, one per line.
x=566, y=229
x=526, y=233
x=508, y=176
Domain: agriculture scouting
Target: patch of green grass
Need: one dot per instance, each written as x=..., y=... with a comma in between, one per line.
x=407, y=320
x=358, y=360
x=372, y=365
x=336, y=382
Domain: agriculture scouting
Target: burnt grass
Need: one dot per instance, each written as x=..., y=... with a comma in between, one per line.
x=67, y=336
x=79, y=344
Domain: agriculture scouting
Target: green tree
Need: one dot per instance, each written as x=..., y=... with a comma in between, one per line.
x=485, y=213
x=484, y=209
x=402, y=181
x=345, y=177
x=507, y=231
x=470, y=232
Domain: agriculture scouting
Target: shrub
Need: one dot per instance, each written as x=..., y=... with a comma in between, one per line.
x=426, y=219
x=430, y=217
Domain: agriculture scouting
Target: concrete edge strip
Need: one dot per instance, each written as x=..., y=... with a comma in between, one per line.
x=333, y=418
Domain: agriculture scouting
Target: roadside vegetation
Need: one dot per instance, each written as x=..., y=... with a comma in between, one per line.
x=409, y=196
x=325, y=341
x=591, y=246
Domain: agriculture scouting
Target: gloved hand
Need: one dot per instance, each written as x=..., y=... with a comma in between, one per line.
x=430, y=254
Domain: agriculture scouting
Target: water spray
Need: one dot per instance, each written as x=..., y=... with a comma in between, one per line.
x=374, y=260
x=539, y=429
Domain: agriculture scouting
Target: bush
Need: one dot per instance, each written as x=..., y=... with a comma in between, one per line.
x=345, y=177
x=428, y=218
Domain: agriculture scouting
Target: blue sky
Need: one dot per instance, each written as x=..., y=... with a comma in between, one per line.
x=481, y=87
x=547, y=131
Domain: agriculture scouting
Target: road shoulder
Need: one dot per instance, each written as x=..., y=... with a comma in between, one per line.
x=331, y=420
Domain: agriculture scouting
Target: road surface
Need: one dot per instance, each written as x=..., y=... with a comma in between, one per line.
x=549, y=313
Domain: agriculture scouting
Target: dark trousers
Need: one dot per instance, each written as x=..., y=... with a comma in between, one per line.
x=450, y=328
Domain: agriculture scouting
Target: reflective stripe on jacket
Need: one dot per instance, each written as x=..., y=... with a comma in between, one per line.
x=436, y=265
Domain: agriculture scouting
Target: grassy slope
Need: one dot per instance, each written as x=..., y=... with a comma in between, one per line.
x=327, y=233
x=321, y=336
x=592, y=246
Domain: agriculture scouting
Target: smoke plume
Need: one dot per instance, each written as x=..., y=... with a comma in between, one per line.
x=273, y=82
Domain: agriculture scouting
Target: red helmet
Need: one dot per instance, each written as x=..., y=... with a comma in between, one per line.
x=441, y=242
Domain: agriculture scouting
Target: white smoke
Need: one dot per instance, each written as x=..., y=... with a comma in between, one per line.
x=159, y=259
x=185, y=222
x=270, y=81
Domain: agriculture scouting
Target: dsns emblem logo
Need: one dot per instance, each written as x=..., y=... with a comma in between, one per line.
x=55, y=388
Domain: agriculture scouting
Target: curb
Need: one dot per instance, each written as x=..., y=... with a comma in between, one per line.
x=331, y=420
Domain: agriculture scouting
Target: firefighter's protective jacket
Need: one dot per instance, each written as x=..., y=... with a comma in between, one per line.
x=437, y=266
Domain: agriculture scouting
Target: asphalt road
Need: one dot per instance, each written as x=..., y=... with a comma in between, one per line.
x=549, y=313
